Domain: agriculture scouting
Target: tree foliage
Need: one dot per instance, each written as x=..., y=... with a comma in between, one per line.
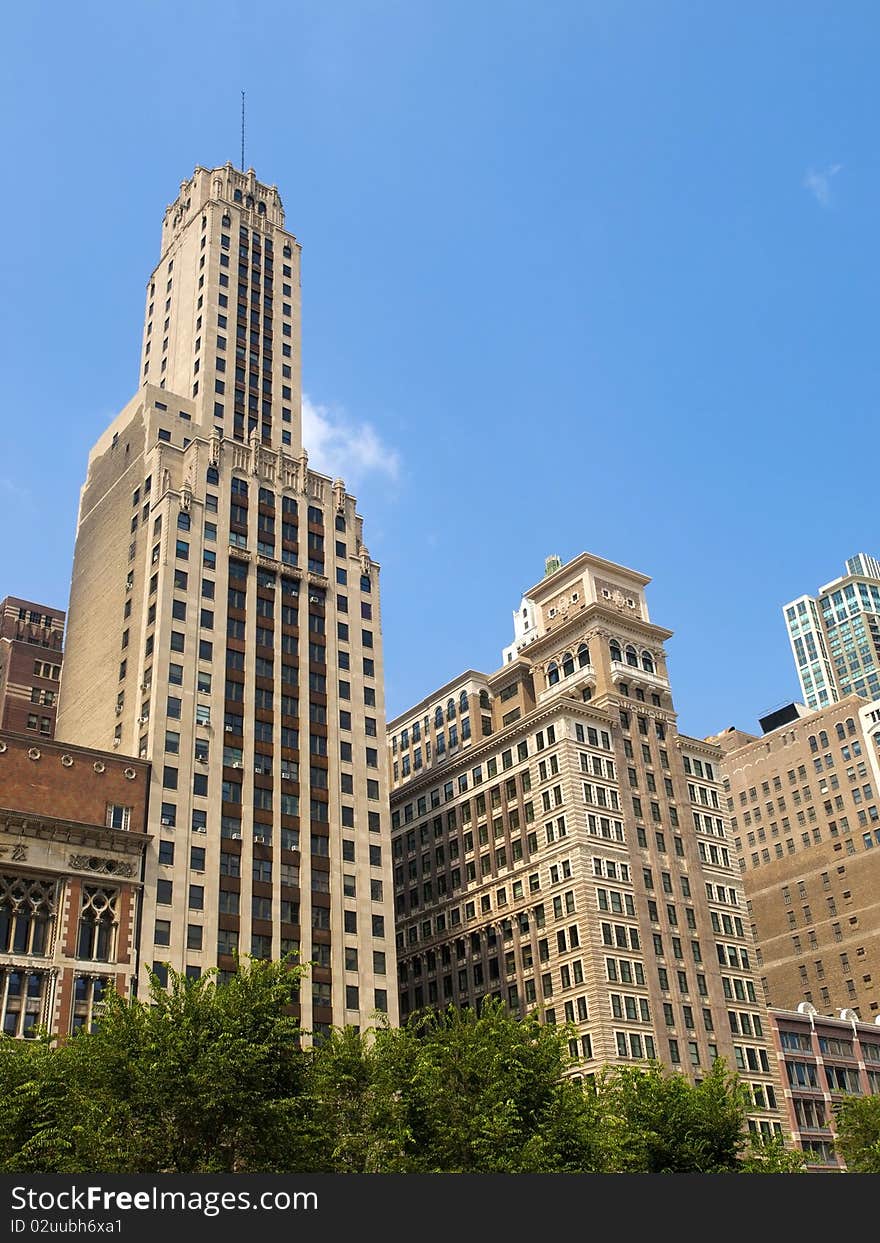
x=858, y=1133
x=659, y=1123
x=201, y=1077
x=212, y=1077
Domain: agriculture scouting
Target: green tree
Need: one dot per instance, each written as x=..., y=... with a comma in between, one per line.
x=770, y=1156
x=353, y=1121
x=205, y=1076
x=858, y=1133
x=657, y=1122
x=486, y=1093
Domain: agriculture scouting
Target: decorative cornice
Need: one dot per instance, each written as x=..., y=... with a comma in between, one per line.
x=72, y=832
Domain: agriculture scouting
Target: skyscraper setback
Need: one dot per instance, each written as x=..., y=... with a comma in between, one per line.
x=224, y=623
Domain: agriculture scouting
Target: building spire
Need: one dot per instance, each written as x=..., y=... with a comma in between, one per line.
x=242, y=132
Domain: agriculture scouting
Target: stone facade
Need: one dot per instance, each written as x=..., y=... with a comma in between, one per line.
x=225, y=623
x=72, y=839
x=559, y=844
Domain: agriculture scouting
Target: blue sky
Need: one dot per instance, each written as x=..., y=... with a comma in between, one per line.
x=576, y=276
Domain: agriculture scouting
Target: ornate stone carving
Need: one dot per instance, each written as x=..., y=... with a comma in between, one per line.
x=108, y=867
x=618, y=597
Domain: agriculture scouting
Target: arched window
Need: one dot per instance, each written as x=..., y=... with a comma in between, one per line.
x=450, y=710
x=814, y=745
x=97, y=923
x=614, y=649
x=583, y=655
x=632, y=657
x=438, y=718
x=841, y=732
x=647, y=662
x=567, y=665
x=27, y=910
x=552, y=673
x=463, y=702
x=262, y=208
x=850, y=726
x=227, y=220
x=823, y=738
x=484, y=699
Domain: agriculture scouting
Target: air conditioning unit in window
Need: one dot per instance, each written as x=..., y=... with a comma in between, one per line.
x=236, y=837
x=228, y=729
x=116, y=742
x=142, y=720
x=314, y=599
x=166, y=821
x=237, y=764
x=199, y=828
x=119, y=709
x=261, y=839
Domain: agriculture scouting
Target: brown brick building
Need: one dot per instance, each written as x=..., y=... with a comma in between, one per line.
x=824, y=1060
x=804, y=802
x=31, y=641
x=72, y=838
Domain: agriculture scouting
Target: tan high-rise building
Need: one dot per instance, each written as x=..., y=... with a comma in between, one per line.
x=804, y=802
x=224, y=622
x=558, y=844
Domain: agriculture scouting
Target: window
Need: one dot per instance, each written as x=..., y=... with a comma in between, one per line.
x=97, y=923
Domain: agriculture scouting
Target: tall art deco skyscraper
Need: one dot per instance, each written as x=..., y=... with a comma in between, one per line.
x=224, y=623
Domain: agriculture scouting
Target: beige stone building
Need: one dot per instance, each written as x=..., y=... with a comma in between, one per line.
x=804, y=802
x=225, y=623
x=557, y=843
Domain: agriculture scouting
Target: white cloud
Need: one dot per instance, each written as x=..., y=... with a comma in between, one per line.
x=339, y=447
x=819, y=183
x=15, y=491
